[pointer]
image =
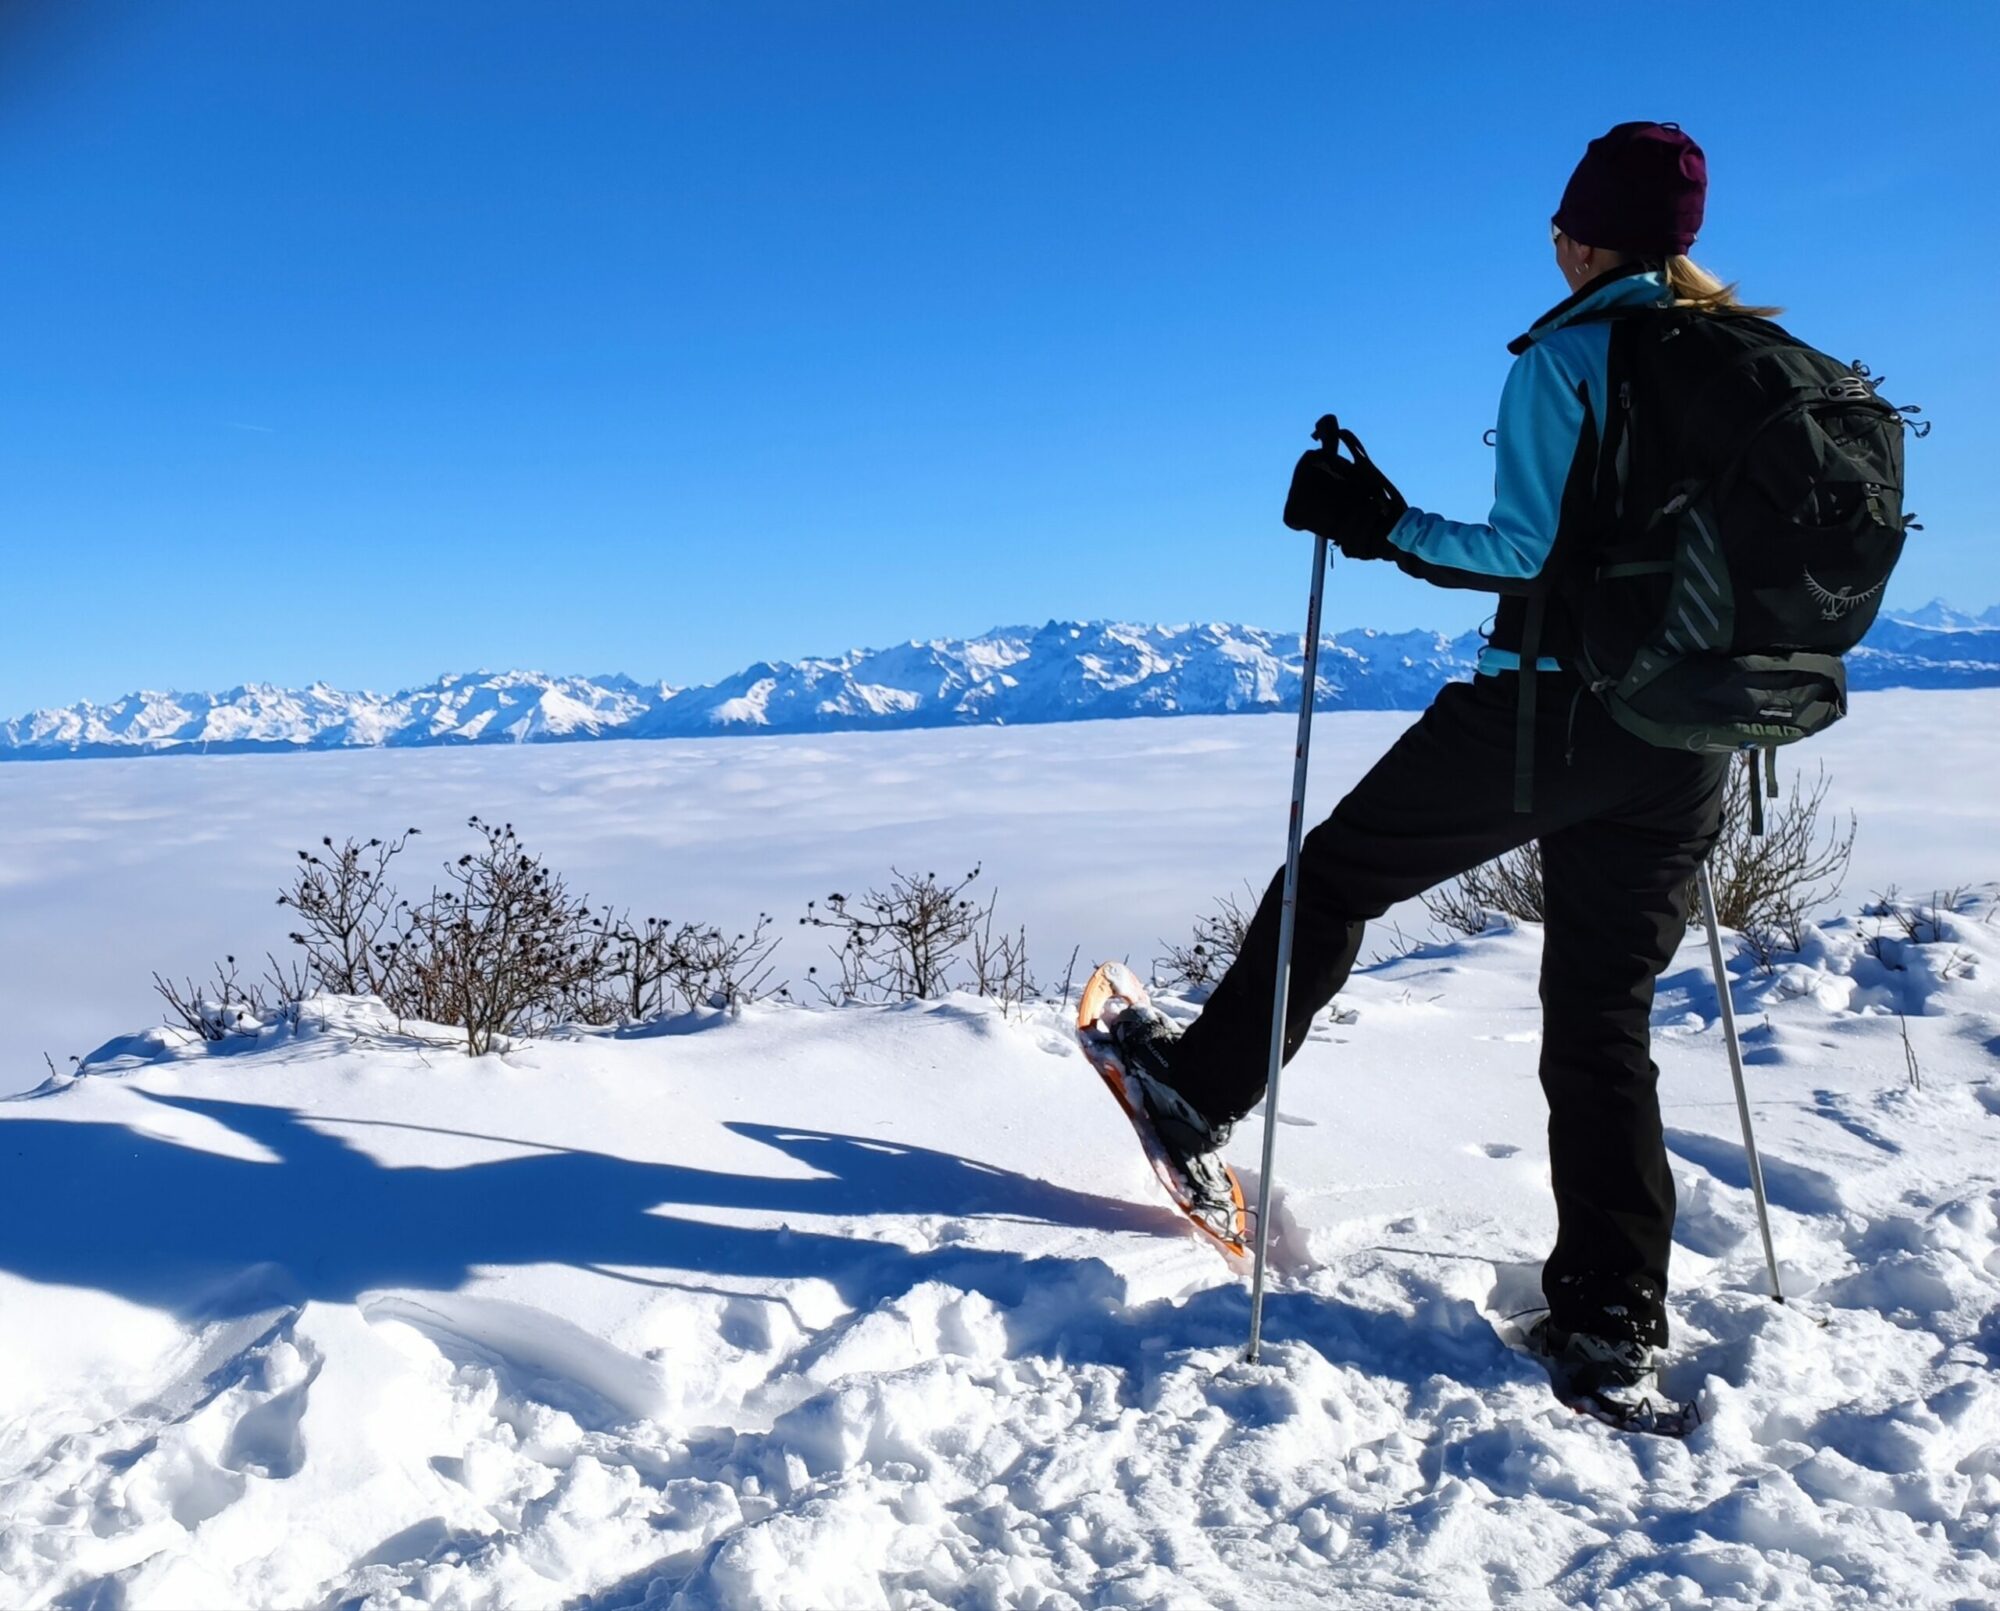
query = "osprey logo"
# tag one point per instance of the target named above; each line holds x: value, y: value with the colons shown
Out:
x: 1850, y: 389
x: 1833, y: 605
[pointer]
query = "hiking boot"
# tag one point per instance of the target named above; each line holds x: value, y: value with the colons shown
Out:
x: 1622, y: 1377
x: 1190, y: 1141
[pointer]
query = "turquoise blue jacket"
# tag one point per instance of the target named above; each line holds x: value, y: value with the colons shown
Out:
x: 1552, y: 415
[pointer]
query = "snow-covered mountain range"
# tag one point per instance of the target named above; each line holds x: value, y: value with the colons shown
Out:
x: 1064, y: 671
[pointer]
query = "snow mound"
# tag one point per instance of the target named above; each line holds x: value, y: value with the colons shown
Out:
x: 881, y: 1307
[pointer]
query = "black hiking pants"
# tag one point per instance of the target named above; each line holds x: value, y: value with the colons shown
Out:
x: 1623, y: 826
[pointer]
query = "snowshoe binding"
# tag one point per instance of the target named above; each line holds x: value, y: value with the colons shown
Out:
x: 1617, y: 1383
x: 1128, y: 1041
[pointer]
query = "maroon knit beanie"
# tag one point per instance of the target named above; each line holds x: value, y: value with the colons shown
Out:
x: 1638, y: 190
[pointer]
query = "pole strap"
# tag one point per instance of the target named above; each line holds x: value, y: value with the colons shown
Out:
x: 1530, y: 654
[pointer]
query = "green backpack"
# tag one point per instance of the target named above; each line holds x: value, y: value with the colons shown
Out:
x: 1751, y: 490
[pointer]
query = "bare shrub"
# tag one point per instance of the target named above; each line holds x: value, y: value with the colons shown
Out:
x: 1767, y: 886
x: 288, y: 985
x: 345, y: 907
x: 906, y: 942
x: 1507, y: 886
x: 501, y: 949
x: 1920, y: 922
x: 1923, y: 922
x: 1216, y: 942
x: 1069, y: 975
x: 714, y: 969
x: 227, y: 1005
x: 656, y: 966
x: 1000, y: 965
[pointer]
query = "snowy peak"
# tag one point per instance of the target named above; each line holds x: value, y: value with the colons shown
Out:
x: 460, y: 707
x: 1942, y: 617
x: 1059, y: 671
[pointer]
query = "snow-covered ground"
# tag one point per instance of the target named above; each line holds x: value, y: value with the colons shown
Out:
x: 881, y: 1306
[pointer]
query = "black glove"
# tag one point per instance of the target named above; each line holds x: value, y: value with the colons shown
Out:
x: 1346, y: 500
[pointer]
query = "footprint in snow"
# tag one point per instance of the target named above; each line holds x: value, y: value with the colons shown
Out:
x: 1834, y: 1107
x: 1789, y: 1185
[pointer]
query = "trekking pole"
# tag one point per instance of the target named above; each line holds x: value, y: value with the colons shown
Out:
x: 1328, y: 433
x: 1736, y: 1072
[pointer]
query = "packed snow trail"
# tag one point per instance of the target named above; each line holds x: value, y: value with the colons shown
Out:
x: 881, y: 1307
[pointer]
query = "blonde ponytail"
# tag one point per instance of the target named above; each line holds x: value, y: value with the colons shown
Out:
x: 1693, y: 286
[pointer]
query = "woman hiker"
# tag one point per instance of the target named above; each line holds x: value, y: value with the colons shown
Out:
x: 1622, y: 824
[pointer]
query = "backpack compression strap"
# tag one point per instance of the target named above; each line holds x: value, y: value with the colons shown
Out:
x: 1530, y: 655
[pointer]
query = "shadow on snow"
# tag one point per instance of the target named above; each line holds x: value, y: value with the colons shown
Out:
x: 206, y: 1236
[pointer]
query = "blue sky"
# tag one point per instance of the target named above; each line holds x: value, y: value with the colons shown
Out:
x: 366, y: 341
